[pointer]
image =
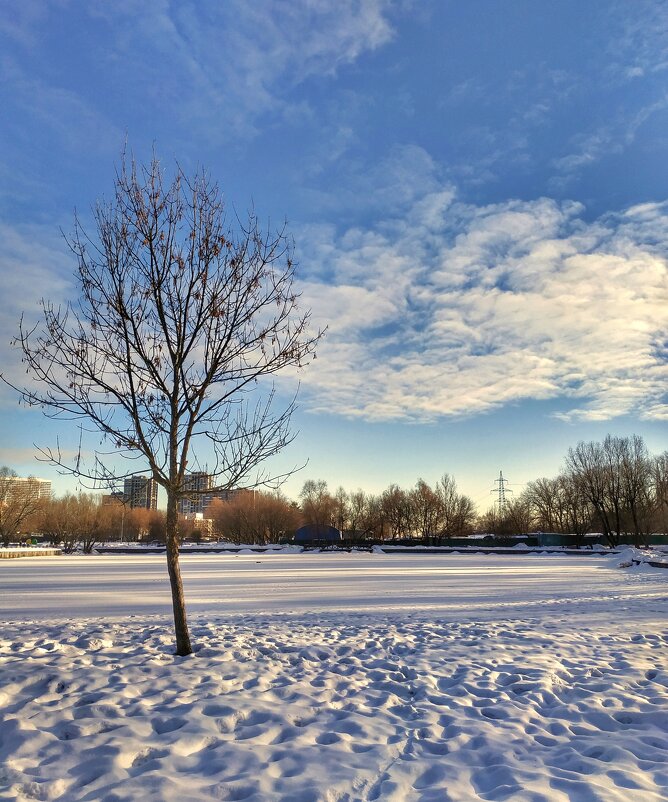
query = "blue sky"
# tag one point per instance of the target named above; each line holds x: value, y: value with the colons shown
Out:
x: 477, y: 191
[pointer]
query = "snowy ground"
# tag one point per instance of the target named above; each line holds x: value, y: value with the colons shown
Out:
x: 347, y: 677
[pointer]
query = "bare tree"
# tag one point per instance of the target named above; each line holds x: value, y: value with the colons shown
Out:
x: 357, y: 511
x: 55, y: 521
x: 619, y: 479
x: 426, y: 510
x: 517, y: 516
x: 318, y: 504
x: 18, y: 503
x: 181, y: 315
x: 660, y: 490
x: 75, y: 520
x: 278, y: 516
x: 577, y: 509
x: 234, y: 519
x: 341, y: 513
x: 545, y: 500
x: 254, y: 517
x: 587, y: 466
x: 396, y: 511
x: 636, y: 481
x: 92, y: 522
x: 513, y: 518
x: 136, y: 524
x: 375, y: 520
x: 612, y: 454
x: 488, y: 522
x: 458, y: 510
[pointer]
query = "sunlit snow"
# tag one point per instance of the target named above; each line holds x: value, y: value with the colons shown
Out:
x: 335, y: 677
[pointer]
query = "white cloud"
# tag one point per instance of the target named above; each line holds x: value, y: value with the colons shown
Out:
x: 33, y: 262
x: 641, y: 46
x: 19, y: 20
x: 73, y: 121
x: 454, y: 309
x: 590, y: 148
x: 234, y: 61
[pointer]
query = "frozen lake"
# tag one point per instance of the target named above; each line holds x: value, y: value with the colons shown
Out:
x: 459, y: 587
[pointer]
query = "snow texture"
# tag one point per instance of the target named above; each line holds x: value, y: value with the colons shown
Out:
x: 354, y: 677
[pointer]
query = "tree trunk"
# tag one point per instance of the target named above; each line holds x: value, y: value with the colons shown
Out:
x: 183, y: 646
x: 637, y: 534
x: 607, y: 529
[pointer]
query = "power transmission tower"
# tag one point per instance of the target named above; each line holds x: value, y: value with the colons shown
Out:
x: 501, y: 491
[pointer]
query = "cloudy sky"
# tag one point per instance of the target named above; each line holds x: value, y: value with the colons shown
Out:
x: 477, y: 191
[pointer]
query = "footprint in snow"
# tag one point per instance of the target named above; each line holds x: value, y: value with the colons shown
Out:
x: 147, y: 755
x: 163, y: 726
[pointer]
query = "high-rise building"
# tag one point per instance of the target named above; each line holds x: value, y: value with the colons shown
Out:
x: 141, y: 491
x: 201, y: 484
x: 196, y: 484
x: 32, y: 488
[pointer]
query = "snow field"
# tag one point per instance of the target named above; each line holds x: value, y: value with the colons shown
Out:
x: 338, y: 706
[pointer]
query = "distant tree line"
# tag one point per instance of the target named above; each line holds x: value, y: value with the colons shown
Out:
x: 615, y: 487
x: 257, y: 517
x: 424, y: 512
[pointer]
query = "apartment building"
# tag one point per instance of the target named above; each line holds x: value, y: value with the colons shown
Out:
x: 201, y: 485
x: 141, y: 491
x: 30, y: 487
